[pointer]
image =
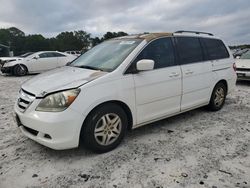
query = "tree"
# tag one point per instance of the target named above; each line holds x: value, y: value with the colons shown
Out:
x: 5, y: 36
x: 12, y: 37
x: 34, y: 43
x: 16, y: 32
x: 65, y: 41
x: 77, y: 40
x: 84, y: 38
x: 95, y: 41
x: 110, y: 35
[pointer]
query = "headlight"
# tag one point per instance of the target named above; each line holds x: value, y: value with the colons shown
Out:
x: 58, y: 102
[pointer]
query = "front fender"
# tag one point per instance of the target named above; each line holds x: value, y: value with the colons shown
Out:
x: 13, y: 63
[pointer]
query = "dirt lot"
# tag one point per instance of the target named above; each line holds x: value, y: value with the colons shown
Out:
x: 195, y: 149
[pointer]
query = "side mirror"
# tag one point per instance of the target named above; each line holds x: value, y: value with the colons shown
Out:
x: 36, y: 57
x: 145, y: 65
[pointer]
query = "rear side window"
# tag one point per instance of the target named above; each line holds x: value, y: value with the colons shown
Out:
x: 215, y: 49
x: 189, y: 50
x: 58, y: 54
x: 161, y: 51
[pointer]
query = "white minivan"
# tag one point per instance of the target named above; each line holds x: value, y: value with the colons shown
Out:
x: 124, y: 83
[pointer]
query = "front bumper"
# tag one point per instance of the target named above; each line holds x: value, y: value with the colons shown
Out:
x: 6, y: 70
x: 56, y: 130
x: 243, y: 75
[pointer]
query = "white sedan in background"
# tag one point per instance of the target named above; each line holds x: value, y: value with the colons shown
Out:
x: 4, y: 60
x: 243, y: 66
x: 37, y: 62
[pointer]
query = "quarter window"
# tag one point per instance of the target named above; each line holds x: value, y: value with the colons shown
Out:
x: 189, y: 50
x: 215, y: 49
x: 161, y: 51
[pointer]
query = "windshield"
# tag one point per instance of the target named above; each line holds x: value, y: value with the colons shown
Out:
x: 26, y: 54
x: 106, y: 56
x: 245, y: 55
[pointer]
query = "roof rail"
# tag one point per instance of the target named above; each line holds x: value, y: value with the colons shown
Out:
x: 196, y: 32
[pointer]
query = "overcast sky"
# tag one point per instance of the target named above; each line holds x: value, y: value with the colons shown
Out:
x: 229, y: 19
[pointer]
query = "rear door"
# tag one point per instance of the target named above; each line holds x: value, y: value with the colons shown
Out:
x: 158, y: 92
x: 62, y: 59
x: 217, y: 53
x: 196, y: 72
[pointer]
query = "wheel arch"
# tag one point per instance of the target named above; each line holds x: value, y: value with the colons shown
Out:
x: 20, y: 64
x: 24, y: 66
x: 123, y: 105
x: 223, y: 81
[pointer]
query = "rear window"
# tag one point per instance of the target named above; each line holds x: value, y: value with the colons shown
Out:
x: 215, y: 49
x: 58, y: 54
x: 189, y: 50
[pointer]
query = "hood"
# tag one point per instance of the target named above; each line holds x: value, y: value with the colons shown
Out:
x: 60, y: 79
x: 10, y: 58
x: 10, y: 61
x: 242, y: 63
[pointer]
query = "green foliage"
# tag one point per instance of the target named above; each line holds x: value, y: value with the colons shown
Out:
x: 240, y: 46
x: 110, y: 35
x: 95, y: 41
x: 5, y: 36
x: 73, y: 40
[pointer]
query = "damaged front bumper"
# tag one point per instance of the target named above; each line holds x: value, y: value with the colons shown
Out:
x: 7, y: 70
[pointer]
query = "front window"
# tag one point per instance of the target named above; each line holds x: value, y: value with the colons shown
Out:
x: 245, y: 55
x: 46, y: 55
x: 107, y: 56
x: 161, y: 51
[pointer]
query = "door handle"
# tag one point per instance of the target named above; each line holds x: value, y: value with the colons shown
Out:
x: 189, y: 72
x: 174, y: 74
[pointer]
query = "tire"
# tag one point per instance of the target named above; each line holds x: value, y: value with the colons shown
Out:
x: 20, y: 70
x: 104, y: 128
x: 218, y: 97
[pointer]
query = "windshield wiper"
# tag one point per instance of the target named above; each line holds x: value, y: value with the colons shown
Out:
x: 89, y: 67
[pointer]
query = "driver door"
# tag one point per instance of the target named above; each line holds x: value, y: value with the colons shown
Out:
x: 158, y: 91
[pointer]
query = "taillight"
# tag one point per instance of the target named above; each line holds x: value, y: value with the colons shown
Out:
x: 234, y: 67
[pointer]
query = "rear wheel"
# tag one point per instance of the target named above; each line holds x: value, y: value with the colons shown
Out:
x: 20, y: 70
x: 104, y: 128
x: 218, y: 97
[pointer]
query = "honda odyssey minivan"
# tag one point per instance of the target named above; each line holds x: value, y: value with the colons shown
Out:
x: 122, y: 84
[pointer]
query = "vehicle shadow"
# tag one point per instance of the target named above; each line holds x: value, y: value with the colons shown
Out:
x: 11, y: 75
x: 168, y: 125
x: 243, y: 82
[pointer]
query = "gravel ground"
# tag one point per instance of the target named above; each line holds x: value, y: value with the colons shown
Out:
x: 194, y: 149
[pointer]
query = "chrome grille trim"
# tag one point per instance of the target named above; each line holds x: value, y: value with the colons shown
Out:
x: 25, y: 99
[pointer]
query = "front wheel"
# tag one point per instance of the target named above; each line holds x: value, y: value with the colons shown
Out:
x: 218, y: 97
x: 20, y: 70
x: 104, y: 128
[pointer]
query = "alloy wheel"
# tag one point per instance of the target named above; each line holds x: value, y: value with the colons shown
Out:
x: 108, y: 129
x: 219, y: 96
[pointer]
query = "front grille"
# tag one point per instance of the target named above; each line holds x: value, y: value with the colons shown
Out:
x: 243, y: 69
x: 25, y: 99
